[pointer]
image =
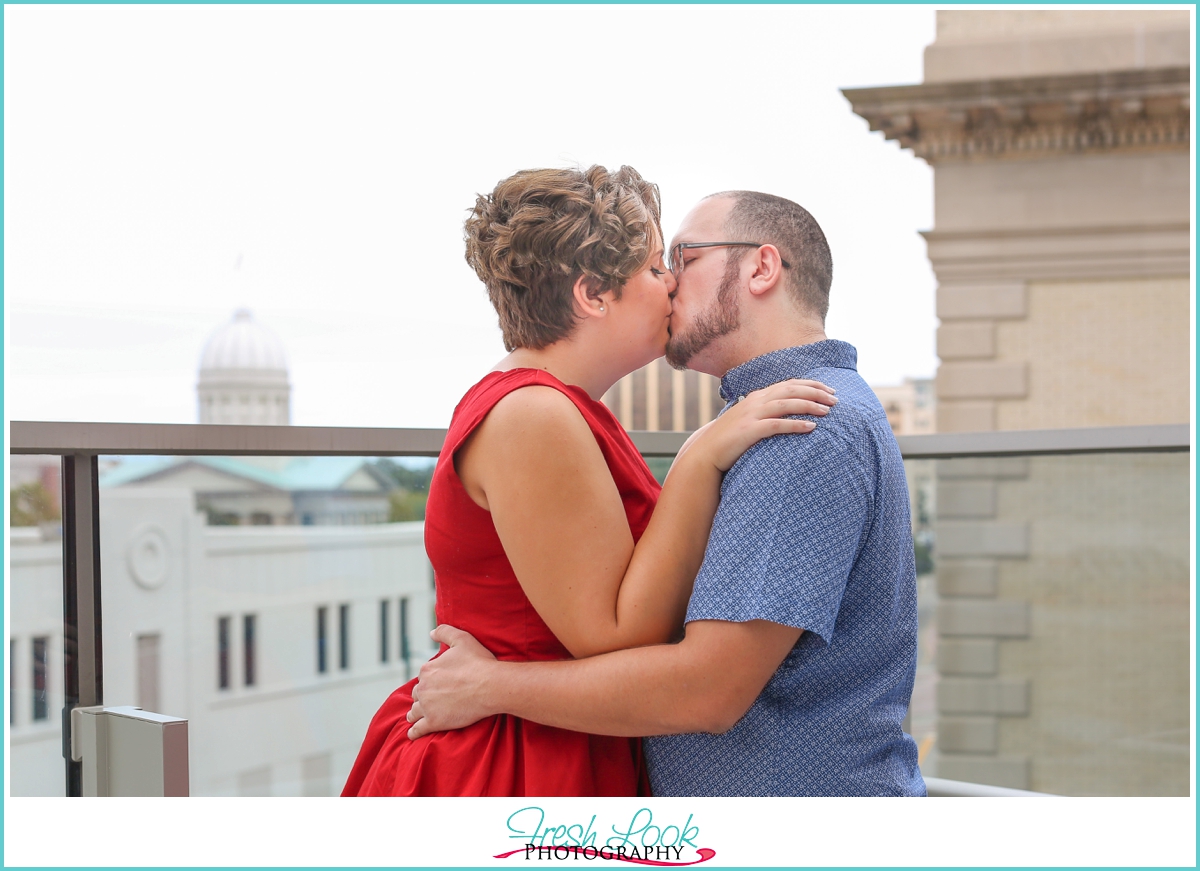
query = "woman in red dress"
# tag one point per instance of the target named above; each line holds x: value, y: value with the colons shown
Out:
x: 548, y: 535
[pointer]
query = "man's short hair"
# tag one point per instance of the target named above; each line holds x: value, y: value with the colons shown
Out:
x: 765, y: 218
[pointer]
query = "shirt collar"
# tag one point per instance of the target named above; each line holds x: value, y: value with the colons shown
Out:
x: 787, y: 363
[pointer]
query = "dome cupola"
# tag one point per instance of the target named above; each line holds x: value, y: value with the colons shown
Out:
x: 243, y: 375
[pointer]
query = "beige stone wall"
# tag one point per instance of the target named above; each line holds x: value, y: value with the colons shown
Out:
x: 1060, y: 141
x: 1099, y: 353
x: 1071, y: 191
x: 1060, y: 279
x: 1106, y: 580
x: 1063, y: 623
x: 984, y: 44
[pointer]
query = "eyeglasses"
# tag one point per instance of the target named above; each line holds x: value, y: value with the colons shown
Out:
x: 675, y: 263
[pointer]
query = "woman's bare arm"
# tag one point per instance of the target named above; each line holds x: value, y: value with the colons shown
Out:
x: 535, y: 465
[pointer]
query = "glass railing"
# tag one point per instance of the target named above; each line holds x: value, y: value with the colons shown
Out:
x: 270, y: 585
x: 35, y: 640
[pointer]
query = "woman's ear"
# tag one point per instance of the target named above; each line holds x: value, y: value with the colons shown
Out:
x: 587, y: 301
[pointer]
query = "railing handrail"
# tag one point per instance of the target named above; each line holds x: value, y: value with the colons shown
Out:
x: 192, y: 439
x: 938, y: 787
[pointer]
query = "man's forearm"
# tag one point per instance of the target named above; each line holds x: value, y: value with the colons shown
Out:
x: 660, y: 690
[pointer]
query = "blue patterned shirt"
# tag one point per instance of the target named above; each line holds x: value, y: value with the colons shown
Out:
x: 812, y: 531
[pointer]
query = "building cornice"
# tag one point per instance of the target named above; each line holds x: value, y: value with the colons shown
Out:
x: 1070, y: 254
x: 1130, y: 110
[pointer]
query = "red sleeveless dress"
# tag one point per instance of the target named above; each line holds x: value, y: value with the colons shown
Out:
x: 478, y: 591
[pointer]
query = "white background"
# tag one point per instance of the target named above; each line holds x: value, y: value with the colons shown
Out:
x: 334, y: 151
x: 1080, y: 832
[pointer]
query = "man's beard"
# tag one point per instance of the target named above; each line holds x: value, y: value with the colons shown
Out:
x: 720, y: 319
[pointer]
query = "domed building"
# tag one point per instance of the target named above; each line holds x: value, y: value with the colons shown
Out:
x: 244, y: 380
x: 243, y: 375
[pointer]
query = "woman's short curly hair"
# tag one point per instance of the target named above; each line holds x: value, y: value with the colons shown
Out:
x: 540, y: 230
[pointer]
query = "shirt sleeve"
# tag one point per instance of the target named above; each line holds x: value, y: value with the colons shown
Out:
x: 793, y: 512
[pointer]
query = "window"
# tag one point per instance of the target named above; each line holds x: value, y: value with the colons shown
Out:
x: 249, y: 664
x: 223, y: 652
x: 41, y: 647
x: 322, y: 613
x: 343, y: 636
x: 404, y: 654
x: 147, y: 673
x: 383, y: 630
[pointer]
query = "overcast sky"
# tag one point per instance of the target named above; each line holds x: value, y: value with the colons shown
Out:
x: 333, y: 153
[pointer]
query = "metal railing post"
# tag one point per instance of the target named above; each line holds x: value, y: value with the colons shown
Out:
x: 83, y: 672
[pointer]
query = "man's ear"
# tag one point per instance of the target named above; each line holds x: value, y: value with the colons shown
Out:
x: 768, y: 270
x: 587, y: 302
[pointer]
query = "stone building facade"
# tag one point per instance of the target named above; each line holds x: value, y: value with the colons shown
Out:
x: 1060, y: 147
x: 1060, y: 142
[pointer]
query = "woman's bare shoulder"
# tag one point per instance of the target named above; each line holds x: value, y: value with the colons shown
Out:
x: 537, y: 412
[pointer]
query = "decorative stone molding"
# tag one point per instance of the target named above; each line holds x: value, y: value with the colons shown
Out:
x: 983, y: 539
x: 148, y: 556
x: 983, y: 696
x: 988, y: 618
x: 981, y: 300
x: 982, y: 380
x: 955, y: 416
x: 1130, y: 110
x: 965, y: 341
x: 961, y: 499
x: 968, y: 734
x: 968, y: 656
x: 966, y: 260
x: 968, y: 578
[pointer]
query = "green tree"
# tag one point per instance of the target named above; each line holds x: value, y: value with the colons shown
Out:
x: 406, y: 505
x: 31, y: 504
x: 405, y: 477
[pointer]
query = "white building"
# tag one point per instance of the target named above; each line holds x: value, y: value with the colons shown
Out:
x: 277, y: 635
x: 276, y: 643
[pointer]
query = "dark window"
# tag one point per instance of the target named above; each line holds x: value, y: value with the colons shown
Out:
x: 383, y: 630
x: 147, y: 673
x: 223, y: 653
x: 322, y: 613
x: 249, y: 663
x: 12, y: 681
x: 343, y: 636
x: 41, y: 709
x: 404, y: 629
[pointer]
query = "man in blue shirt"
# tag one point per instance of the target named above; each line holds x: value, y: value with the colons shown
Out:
x: 797, y: 665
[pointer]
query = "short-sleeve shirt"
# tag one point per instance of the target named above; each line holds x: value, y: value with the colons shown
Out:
x: 813, y: 532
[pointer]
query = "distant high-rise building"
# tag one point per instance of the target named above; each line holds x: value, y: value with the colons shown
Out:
x: 659, y: 398
x: 911, y: 406
x: 244, y: 375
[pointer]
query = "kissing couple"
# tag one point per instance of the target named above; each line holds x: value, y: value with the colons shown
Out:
x: 749, y: 628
